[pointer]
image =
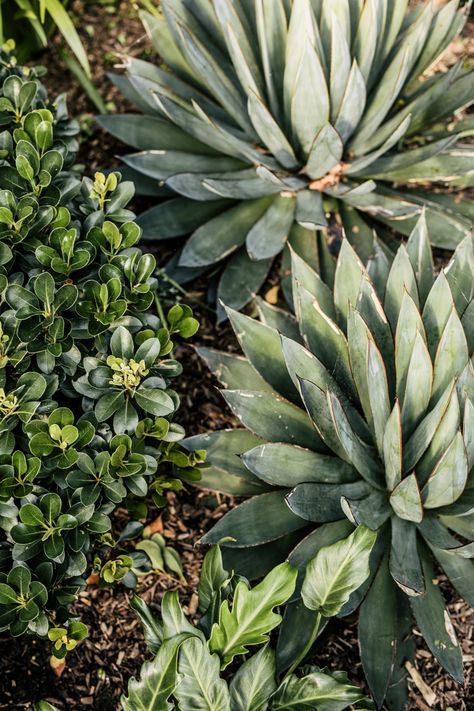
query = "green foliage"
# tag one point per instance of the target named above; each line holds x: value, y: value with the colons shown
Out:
x: 186, y: 671
x: 86, y: 406
x: 360, y: 411
x: 267, y: 118
x: 28, y: 24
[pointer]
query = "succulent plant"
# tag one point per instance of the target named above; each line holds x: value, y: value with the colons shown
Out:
x: 267, y: 117
x: 76, y: 293
x: 186, y: 671
x: 360, y: 409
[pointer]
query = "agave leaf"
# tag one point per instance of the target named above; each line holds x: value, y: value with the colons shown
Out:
x: 340, y: 54
x: 406, y: 500
x: 446, y: 429
x: 286, y: 465
x: 304, y: 276
x: 435, y: 625
x: 238, y: 39
x: 272, y: 418
x: 405, y: 565
x: 161, y: 164
x: 401, y: 281
x: 420, y: 108
x: 360, y: 235
x: 208, y: 130
x: 256, y: 521
x: 325, y: 153
x: 201, y: 686
x: 268, y: 235
x: 216, y: 239
x: 394, y: 168
x: 262, y: 347
x: 316, y: 404
x: 324, y: 338
x: 418, y: 385
x: 322, y: 502
x: 361, y: 455
x: 349, y: 274
x: 437, y: 310
x: 378, y: 392
x: 381, y: 632
x: 310, y: 99
x: 174, y: 218
x: 240, y: 281
x: 278, y: 319
x: 459, y: 275
x: 372, y: 511
x: 157, y: 682
x: 460, y: 572
x: 443, y: 28
x: 270, y: 132
x: 353, y: 103
x: 452, y: 355
x: 214, y: 76
x: 251, y: 617
x: 272, y: 33
x: 164, y: 43
x: 231, y: 370
x: 259, y: 560
x: 336, y: 571
x: 359, y: 338
x: 365, y: 40
x: 468, y: 432
x: 141, y: 132
x: 295, y: 633
x: 310, y: 210
x: 449, y: 477
x: 254, y: 682
x: 243, y: 187
x: 359, y: 166
x: 394, y: 77
x: 392, y: 448
x: 302, y: 31
x: 421, y: 258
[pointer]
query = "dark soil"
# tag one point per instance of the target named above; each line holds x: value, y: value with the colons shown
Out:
x: 98, y: 671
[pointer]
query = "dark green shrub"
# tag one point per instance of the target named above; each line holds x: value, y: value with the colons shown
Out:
x: 86, y: 403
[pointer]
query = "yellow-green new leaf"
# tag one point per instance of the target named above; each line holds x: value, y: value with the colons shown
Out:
x: 250, y: 618
x: 337, y: 571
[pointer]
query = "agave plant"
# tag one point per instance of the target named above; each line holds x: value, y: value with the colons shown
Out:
x: 359, y: 410
x: 271, y: 115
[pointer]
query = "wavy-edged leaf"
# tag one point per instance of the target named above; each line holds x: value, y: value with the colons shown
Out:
x: 158, y: 679
x: 251, y: 617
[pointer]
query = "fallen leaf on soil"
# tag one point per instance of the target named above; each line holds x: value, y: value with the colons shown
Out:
x: 57, y: 665
x: 427, y: 693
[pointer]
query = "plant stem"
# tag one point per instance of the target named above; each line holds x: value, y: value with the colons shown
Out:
x: 161, y: 313
x: 308, y: 646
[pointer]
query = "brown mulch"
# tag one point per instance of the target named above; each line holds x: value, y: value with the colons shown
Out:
x: 98, y: 671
